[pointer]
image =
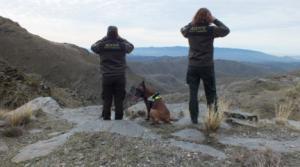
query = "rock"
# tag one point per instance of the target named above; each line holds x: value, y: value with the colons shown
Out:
x: 46, y: 104
x: 183, y: 122
x: 262, y: 143
x: 204, y: 149
x: 34, y: 131
x: 86, y: 120
x: 136, y: 111
x: 190, y: 135
x: 81, y: 115
x: 41, y: 148
x: 55, y: 134
x: 225, y: 126
x: 125, y: 128
x: 3, y: 123
x: 3, y: 147
x: 178, y: 111
x: 241, y: 122
x: 131, y: 129
x: 294, y: 124
x: 263, y: 122
x: 237, y: 114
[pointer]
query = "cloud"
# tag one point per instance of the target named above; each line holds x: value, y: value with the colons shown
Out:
x: 271, y: 25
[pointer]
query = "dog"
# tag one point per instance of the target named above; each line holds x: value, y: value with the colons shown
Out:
x: 157, y: 110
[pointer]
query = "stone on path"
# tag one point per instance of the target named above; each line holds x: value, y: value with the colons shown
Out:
x: 204, y: 149
x: 192, y: 135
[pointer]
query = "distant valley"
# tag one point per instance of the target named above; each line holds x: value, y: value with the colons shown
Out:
x: 71, y: 67
x: 168, y: 73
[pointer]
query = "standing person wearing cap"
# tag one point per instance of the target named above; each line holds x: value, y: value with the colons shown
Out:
x: 201, y: 34
x: 112, y: 50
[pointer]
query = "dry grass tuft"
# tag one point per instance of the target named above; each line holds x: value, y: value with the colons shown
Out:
x: 17, y: 118
x: 2, y: 113
x: 283, y: 111
x: 266, y: 158
x: 213, y: 120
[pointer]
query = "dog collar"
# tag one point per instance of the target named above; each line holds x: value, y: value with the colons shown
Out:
x: 155, y: 97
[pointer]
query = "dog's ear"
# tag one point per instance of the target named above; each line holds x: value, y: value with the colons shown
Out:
x: 143, y: 83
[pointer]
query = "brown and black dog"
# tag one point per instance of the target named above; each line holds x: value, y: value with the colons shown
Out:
x: 156, y: 108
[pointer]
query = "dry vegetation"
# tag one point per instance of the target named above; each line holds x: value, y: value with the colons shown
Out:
x: 17, y: 118
x: 261, y: 158
x: 283, y: 110
x: 2, y: 113
x: 294, y: 92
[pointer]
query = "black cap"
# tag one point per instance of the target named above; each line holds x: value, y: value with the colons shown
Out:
x: 112, y: 32
x: 112, y: 29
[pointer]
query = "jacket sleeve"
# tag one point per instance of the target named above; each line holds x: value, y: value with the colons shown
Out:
x: 184, y: 30
x: 220, y: 30
x: 128, y: 46
x: 96, y: 47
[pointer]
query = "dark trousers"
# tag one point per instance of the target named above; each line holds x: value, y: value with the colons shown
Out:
x: 207, y: 75
x: 113, y: 88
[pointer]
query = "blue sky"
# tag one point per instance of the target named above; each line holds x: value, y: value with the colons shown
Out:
x: 271, y: 26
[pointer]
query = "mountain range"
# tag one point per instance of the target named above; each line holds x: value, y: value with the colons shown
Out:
x: 241, y: 55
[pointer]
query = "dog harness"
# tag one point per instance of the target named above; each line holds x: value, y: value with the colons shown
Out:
x: 153, y: 98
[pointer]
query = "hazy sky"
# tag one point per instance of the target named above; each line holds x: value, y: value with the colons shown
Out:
x: 267, y: 25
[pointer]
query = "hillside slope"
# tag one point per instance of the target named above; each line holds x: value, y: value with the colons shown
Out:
x: 262, y: 94
x: 64, y: 65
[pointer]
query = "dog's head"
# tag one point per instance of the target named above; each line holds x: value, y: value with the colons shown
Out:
x: 139, y: 91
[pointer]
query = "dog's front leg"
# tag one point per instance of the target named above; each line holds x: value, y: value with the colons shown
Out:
x: 148, y: 109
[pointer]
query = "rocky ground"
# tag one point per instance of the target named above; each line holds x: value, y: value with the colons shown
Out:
x: 77, y: 137
x: 17, y: 88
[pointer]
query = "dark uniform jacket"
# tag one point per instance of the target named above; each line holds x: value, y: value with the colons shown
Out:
x: 112, y: 55
x: 201, y: 39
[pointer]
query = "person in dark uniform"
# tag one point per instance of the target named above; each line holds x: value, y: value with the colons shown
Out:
x: 201, y: 33
x: 112, y: 50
